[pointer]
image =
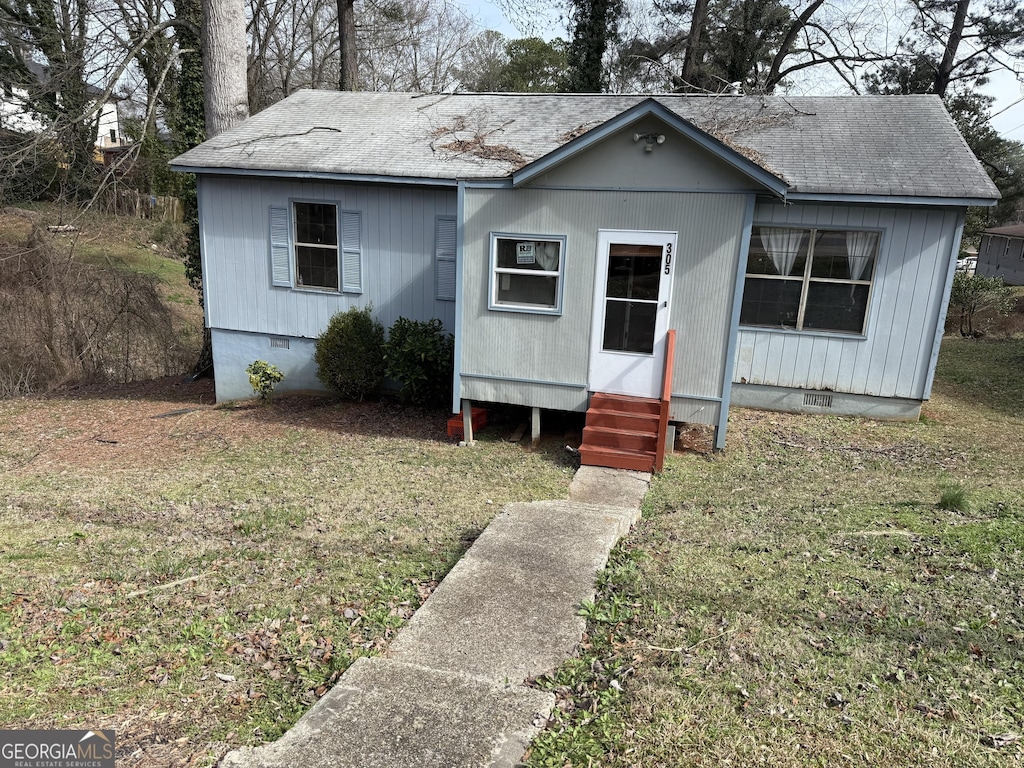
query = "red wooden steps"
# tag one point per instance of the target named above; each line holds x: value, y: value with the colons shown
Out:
x: 621, y: 432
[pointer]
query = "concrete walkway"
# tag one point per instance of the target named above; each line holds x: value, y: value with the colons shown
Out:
x: 450, y: 691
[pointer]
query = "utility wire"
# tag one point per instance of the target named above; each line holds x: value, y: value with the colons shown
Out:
x: 1018, y: 101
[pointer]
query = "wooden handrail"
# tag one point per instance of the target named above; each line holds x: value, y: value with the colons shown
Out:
x: 666, y: 399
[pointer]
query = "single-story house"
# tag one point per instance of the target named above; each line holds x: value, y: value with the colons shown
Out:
x: 1001, y: 253
x: 801, y: 249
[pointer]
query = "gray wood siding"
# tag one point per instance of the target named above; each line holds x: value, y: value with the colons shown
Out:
x: 1000, y: 256
x: 532, y: 347
x: 893, y: 358
x: 618, y: 162
x: 398, y: 225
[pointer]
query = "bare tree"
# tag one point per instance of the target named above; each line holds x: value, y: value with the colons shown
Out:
x: 416, y: 46
x: 44, y: 50
x: 967, y: 40
x: 292, y: 45
x: 712, y: 45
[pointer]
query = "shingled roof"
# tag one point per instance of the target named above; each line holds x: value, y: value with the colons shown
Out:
x: 906, y: 146
x: 1010, y: 230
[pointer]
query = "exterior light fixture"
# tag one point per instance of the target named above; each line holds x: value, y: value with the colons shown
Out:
x: 649, y: 139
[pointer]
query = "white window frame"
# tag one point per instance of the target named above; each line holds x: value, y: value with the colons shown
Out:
x: 496, y: 272
x: 806, y: 279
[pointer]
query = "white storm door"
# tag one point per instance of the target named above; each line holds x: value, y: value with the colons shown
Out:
x: 631, y: 308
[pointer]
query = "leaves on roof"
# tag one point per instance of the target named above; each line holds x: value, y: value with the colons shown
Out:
x: 727, y: 125
x: 469, y: 135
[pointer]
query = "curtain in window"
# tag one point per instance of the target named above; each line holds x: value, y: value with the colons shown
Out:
x: 860, y: 248
x: 782, y: 247
x: 547, y: 256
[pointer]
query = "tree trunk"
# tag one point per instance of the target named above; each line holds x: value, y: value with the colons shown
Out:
x: 956, y: 33
x: 225, y: 104
x: 801, y: 21
x: 693, y: 50
x: 348, y: 78
x: 225, y: 75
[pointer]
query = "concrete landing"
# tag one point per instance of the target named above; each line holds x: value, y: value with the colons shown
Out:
x: 451, y: 689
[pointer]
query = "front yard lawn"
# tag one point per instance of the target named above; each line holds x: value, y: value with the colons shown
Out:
x: 806, y: 599
x: 829, y: 591
x: 195, y: 577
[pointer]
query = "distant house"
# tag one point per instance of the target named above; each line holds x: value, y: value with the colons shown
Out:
x: 1001, y: 253
x: 802, y: 249
x: 17, y: 115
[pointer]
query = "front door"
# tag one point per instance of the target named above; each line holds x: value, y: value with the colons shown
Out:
x: 631, y: 309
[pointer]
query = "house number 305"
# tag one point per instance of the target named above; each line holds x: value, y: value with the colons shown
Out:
x: 668, y: 258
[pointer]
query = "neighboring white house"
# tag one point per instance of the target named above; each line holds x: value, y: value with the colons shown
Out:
x: 17, y: 116
x: 801, y: 248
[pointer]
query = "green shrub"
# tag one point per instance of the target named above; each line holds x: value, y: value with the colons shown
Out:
x: 972, y: 294
x: 263, y: 377
x: 421, y: 357
x: 350, y: 354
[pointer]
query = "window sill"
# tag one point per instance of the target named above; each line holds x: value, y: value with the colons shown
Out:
x: 793, y: 332
x: 556, y: 311
x: 319, y: 291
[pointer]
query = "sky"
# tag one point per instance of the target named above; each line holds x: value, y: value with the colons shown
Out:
x: 1008, y: 89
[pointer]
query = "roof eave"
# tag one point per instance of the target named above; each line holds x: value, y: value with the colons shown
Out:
x: 317, y: 175
x: 884, y: 199
x: 647, y: 107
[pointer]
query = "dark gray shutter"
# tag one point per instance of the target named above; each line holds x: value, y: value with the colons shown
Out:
x: 444, y: 258
x: 351, y: 252
x: 280, y: 249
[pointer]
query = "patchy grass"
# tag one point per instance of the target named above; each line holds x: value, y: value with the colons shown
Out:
x: 195, y: 577
x: 138, y: 245
x: 805, y: 599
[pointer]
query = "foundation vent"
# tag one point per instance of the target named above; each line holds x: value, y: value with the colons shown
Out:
x: 279, y: 343
x: 818, y: 400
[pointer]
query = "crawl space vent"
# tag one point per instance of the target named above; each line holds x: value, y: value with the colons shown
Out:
x: 818, y: 401
x: 279, y: 343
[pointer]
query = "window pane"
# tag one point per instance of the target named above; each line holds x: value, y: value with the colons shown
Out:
x: 844, y: 255
x: 836, y: 307
x: 629, y: 326
x: 316, y: 223
x: 536, y: 290
x: 634, y: 271
x: 317, y: 267
x: 542, y: 255
x: 770, y: 302
x: 777, y: 251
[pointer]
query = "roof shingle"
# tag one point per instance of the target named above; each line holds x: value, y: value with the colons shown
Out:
x: 848, y: 145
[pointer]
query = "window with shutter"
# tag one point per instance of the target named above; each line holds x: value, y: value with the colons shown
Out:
x: 312, y: 247
x: 444, y: 257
